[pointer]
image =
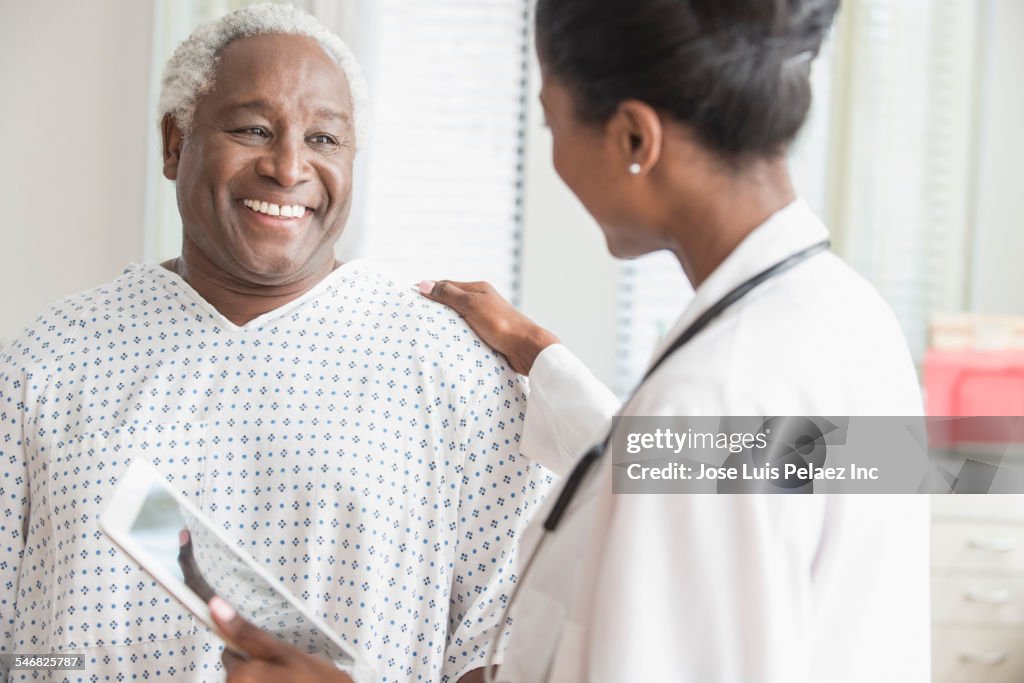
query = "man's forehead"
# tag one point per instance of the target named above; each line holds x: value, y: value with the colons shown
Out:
x: 265, y: 106
x: 284, y: 51
x: 248, y: 66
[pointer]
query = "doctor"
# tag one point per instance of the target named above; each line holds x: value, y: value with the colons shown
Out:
x: 670, y: 122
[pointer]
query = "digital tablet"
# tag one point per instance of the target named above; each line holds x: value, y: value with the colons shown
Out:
x: 171, y: 539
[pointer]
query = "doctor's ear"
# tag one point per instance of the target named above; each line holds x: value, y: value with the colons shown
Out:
x: 637, y: 132
x: 173, y: 139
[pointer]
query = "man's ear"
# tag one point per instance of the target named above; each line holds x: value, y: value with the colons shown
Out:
x: 638, y: 135
x: 172, y: 139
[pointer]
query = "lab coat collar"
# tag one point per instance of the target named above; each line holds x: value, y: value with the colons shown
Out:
x: 787, y: 231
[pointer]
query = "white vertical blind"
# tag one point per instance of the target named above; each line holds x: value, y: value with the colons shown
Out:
x: 908, y: 146
x: 653, y: 292
x: 810, y: 154
x: 442, y: 192
x: 885, y: 158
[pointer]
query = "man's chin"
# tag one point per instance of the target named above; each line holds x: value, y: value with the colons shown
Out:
x: 277, y: 271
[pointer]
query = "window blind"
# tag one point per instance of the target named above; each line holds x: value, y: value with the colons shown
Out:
x: 905, y: 190
x: 442, y: 191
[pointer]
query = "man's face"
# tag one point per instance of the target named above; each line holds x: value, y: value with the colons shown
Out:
x: 274, y: 133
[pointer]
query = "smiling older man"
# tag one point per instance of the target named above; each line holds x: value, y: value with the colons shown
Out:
x: 358, y: 440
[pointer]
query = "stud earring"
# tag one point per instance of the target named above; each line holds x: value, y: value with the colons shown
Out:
x: 634, y: 168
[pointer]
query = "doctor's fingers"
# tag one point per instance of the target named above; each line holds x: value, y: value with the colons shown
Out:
x: 494, y: 319
x: 480, y: 305
x: 479, y: 287
x: 468, y: 299
x: 456, y: 295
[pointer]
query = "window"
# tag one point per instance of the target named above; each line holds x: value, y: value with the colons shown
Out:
x: 442, y: 188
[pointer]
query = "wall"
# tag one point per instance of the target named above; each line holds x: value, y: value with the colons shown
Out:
x: 74, y: 120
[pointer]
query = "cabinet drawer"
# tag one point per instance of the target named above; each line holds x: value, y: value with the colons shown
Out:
x: 993, y: 548
x: 991, y: 508
x: 975, y: 655
x: 964, y: 600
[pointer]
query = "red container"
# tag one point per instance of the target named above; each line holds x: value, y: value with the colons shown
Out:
x: 970, y: 383
x: 965, y: 382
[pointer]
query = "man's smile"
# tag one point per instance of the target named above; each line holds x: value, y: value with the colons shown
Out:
x: 282, y: 211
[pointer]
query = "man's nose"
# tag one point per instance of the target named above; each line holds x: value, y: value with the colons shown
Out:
x: 285, y: 161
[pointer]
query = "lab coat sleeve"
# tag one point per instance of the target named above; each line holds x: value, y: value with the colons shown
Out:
x: 569, y: 410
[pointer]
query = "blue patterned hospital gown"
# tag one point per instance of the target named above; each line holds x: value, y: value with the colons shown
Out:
x: 361, y: 442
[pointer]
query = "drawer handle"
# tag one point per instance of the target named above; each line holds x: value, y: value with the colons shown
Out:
x: 991, y: 658
x: 996, y: 545
x: 993, y: 597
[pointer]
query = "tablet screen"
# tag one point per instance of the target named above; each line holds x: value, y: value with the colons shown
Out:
x: 190, y: 552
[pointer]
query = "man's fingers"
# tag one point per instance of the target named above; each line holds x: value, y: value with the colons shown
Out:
x: 256, y: 643
x: 256, y: 671
x: 194, y: 578
x: 448, y: 293
x: 231, y: 659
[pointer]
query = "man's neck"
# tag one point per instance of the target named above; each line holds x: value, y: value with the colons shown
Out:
x: 237, y: 300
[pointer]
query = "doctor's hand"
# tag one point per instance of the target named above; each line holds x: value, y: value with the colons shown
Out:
x: 501, y: 326
x: 270, y: 660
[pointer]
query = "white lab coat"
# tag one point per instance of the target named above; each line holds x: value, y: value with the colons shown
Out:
x: 742, y: 588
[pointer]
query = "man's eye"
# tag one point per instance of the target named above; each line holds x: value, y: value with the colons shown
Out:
x: 255, y: 131
x: 323, y: 139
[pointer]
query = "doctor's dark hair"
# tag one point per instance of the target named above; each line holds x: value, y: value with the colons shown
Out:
x: 737, y: 72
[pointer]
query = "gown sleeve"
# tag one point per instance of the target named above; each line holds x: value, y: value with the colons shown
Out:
x: 569, y: 410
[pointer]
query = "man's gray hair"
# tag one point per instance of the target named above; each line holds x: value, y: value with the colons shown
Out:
x: 192, y: 68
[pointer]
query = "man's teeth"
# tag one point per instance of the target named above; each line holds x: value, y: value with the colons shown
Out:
x: 296, y: 211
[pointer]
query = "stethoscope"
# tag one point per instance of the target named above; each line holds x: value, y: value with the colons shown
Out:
x: 575, y: 479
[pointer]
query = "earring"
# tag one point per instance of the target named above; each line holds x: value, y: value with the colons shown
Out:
x: 634, y: 168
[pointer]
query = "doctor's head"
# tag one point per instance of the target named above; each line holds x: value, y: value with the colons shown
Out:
x: 261, y: 112
x: 647, y: 98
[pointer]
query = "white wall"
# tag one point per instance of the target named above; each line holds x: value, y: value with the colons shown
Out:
x: 998, y: 276
x: 74, y: 119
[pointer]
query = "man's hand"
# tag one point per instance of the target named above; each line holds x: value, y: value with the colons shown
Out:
x: 501, y: 326
x: 269, y: 660
x: 194, y: 578
x: 475, y: 676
